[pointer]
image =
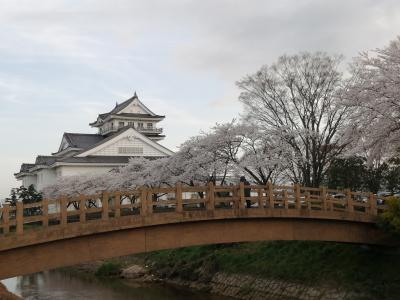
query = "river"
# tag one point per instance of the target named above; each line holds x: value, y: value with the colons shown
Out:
x: 57, y: 285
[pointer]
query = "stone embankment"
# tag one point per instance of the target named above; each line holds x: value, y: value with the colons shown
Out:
x: 6, y: 295
x: 249, y: 287
x: 245, y: 287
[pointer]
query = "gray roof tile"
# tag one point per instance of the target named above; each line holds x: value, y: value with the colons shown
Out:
x: 25, y: 167
x: 45, y: 160
x: 82, y: 140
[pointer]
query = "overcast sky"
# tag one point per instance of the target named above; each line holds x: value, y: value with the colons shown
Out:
x: 63, y: 62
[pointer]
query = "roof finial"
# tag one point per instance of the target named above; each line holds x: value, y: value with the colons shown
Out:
x: 116, y: 103
x: 135, y: 95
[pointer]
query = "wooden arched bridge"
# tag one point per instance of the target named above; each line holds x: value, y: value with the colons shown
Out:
x: 67, y: 231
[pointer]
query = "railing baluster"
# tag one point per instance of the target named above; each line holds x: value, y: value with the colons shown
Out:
x: 104, y: 206
x: 20, y: 217
x: 63, y: 212
x: 260, y: 198
x: 373, y: 205
x: 242, y: 200
x: 6, y: 218
x: 150, y: 201
x: 285, y: 199
x: 271, y: 195
x: 82, y: 209
x: 117, y: 204
x: 350, y: 207
x: 178, y: 197
x: 308, y: 200
x: 143, y: 201
x: 297, y: 195
x: 45, y: 213
x: 323, y: 198
x: 211, y: 196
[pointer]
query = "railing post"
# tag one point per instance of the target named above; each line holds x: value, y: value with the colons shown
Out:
x: 373, y: 205
x: 6, y: 218
x: 323, y: 198
x: 297, y: 195
x: 211, y: 196
x: 117, y: 204
x: 143, y: 201
x: 45, y: 212
x: 271, y: 195
x: 104, y: 206
x: 82, y: 209
x: 260, y: 198
x: 350, y: 207
x: 242, y: 200
x: 308, y: 200
x: 285, y: 199
x: 63, y: 212
x: 20, y: 217
x: 150, y: 201
x: 178, y: 197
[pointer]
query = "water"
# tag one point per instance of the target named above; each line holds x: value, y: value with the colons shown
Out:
x: 56, y: 285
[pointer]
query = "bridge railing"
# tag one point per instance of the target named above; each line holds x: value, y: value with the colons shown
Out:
x: 144, y: 201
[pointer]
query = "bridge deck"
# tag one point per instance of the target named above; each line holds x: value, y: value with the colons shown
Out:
x: 47, y: 220
x: 55, y: 233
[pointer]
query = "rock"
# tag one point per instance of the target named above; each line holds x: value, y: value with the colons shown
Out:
x: 134, y: 272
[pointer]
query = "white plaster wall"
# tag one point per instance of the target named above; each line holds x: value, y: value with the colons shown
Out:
x: 28, y: 180
x: 45, y: 177
x: 82, y: 170
x: 112, y: 150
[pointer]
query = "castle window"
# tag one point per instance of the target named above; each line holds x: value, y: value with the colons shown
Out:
x: 150, y: 125
x: 140, y: 125
x: 121, y: 124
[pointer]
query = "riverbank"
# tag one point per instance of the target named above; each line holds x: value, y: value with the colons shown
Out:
x: 6, y: 295
x: 268, y: 270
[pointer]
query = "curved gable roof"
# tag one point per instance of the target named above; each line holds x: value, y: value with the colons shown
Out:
x: 120, y: 107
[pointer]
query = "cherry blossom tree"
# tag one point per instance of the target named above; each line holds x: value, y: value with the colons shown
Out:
x: 227, y: 150
x: 297, y: 102
x: 75, y: 185
x: 230, y: 149
x: 252, y: 151
x: 375, y: 98
x: 203, y: 158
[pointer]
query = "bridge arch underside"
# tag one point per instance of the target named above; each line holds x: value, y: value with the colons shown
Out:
x: 66, y: 252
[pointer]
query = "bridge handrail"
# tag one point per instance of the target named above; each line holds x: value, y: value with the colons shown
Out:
x: 145, y: 201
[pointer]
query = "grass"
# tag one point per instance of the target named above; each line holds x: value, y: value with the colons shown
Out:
x: 375, y: 271
x: 108, y: 269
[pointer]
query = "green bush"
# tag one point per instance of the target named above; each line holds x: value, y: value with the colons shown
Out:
x: 390, y: 219
x: 108, y: 269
